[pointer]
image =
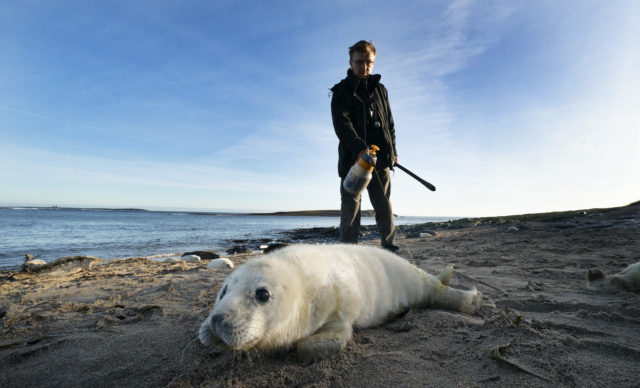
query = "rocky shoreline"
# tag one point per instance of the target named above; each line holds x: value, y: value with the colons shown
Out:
x: 311, y: 213
x: 587, y: 218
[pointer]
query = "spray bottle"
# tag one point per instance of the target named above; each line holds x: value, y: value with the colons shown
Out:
x: 359, y: 175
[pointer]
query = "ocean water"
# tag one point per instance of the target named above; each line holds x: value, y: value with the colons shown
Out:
x: 51, y: 233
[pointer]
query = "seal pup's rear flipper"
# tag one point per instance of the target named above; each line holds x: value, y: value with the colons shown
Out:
x: 445, y: 275
x: 457, y: 300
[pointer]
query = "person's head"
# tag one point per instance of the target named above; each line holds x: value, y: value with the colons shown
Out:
x: 362, y: 57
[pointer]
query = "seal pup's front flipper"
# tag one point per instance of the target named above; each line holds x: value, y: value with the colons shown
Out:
x: 328, y: 340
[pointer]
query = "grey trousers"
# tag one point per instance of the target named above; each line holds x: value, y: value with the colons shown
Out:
x: 379, y: 192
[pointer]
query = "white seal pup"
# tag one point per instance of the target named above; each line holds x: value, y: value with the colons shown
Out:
x: 626, y: 280
x: 63, y: 265
x: 191, y: 258
x: 172, y: 260
x: 220, y: 263
x: 311, y: 297
x: 34, y: 263
x: 31, y: 263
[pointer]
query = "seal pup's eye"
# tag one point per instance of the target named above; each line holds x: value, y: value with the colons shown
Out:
x: 224, y: 292
x: 262, y: 295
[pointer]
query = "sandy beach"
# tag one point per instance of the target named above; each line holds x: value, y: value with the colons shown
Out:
x: 134, y: 322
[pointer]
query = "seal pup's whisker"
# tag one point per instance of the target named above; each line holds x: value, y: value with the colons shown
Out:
x: 184, y: 348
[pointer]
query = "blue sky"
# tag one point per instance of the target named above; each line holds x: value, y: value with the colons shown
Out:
x: 506, y: 106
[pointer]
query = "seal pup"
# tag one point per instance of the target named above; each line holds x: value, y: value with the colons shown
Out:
x: 312, y: 296
x: 222, y: 262
x: 63, y: 265
x: 30, y: 263
x: 191, y: 258
x: 172, y: 260
x: 626, y: 280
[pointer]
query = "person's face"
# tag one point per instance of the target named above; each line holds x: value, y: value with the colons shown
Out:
x: 362, y: 64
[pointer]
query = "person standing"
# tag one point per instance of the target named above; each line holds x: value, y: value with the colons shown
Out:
x: 362, y: 117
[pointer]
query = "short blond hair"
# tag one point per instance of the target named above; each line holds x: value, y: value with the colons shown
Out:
x: 362, y: 46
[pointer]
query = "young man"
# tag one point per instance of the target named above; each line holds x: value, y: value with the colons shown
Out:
x: 361, y: 118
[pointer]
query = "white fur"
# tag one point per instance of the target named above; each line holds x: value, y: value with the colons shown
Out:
x: 172, y: 260
x: 191, y: 258
x: 34, y: 263
x: 626, y: 280
x: 318, y: 293
x: 220, y: 263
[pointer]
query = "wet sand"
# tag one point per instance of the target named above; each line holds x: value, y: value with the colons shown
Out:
x: 134, y: 322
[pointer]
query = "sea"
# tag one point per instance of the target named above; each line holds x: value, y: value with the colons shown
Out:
x: 51, y: 233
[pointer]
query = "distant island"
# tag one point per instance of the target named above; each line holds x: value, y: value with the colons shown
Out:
x: 55, y: 207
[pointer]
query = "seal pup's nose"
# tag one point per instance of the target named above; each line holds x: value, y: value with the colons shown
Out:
x: 220, y: 323
x: 213, y: 329
x: 205, y: 334
x: 217, y: 320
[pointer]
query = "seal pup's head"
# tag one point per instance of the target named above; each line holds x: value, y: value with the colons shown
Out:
x: 258, y: 306
x: 598, y: 280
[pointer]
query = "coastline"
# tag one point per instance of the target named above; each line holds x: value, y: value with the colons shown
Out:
x: 50, y: 234
x: 312, y: 213
x: 295, y: 213
x: 134, y: 322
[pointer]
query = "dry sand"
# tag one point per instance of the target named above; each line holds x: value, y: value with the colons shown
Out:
x: 134, y: 322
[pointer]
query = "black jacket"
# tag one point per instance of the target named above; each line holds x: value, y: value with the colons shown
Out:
x: 362, y: 117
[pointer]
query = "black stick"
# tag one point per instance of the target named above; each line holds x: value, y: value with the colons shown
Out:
x: 414, y: 176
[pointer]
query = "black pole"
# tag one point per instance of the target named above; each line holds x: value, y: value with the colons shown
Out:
x: 414, y: 176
